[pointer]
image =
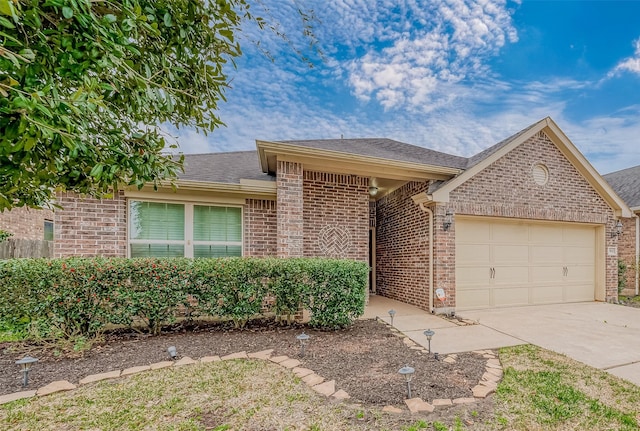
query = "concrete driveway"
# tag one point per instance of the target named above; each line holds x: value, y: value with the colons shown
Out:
x: 602, y: 335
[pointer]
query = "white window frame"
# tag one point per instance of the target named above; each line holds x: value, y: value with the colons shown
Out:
x: 188, y: 241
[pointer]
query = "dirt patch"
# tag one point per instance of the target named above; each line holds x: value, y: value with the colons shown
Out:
x: 629, y: 301
x: 363, y: 360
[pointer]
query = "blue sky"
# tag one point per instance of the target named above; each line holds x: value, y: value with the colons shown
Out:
x: 452, y: 75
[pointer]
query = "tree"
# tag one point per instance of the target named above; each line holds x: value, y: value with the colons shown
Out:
x: 84, y: 85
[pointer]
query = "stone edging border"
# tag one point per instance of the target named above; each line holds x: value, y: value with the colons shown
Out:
x: 313, y: 380
x: 486, y: 386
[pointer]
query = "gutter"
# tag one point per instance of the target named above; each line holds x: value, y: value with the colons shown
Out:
x: 430, y: 212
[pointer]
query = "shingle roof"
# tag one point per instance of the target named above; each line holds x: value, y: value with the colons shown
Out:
x: 477, y: 158
x: 223, y: 167
x: 385, y: 149
x: 626, y: 183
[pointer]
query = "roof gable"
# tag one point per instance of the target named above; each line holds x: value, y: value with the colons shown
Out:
x: 567, y: 148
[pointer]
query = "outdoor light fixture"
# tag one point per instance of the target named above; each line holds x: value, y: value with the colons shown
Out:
x: 616, y: 233
x: 429, y: 333
x: 304, y: 339
x: 392, y: 313
x: 407, y: 372
x: 373, y: 190
x: 448, y: 220
x: 173, y: 353
x: 26, y: 363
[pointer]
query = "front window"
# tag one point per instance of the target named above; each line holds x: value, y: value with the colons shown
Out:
x: 48, y: 230
x: 174, y: 230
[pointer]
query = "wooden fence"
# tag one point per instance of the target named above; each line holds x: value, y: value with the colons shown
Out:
x: 12, y: 248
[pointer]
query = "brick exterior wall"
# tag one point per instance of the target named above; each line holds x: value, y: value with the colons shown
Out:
x: 260, y: 228
x: 289, y: 219
x: 25, y: 223
x: 506, y: 189
x: 90, y: 227
x: 402, y: 247
x: 627, y: 252
x: 336, y: 216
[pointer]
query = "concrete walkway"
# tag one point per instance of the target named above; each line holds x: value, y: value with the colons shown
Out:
x: 601, y: 335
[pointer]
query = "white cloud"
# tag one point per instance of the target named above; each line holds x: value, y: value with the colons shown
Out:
x: 631, y: 64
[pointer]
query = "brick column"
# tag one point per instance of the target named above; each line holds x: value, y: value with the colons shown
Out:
x: 289, y: 205
x: 444, y: 256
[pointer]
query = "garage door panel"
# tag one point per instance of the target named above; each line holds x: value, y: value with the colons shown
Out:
x: 549, y: 294
x: 511, y: 275
x: 512, y: 253
x: 471, y: 277
x: 474, y: 253
x: 579, y: 292
x: 510, y: 297
x: 475, y: 298
x: 543, y: 254
x: 522, y: 263
x: 509, y: 233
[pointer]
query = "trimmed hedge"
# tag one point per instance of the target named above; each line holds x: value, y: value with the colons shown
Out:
x: 80, y: 296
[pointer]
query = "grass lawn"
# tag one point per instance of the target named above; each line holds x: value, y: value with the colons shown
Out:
x: 540, y: 391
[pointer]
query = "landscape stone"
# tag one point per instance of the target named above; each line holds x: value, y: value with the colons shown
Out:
x: 488, y: 384
x: 278, y: 359
x: 53, y: 387
x: 495, y: 371
x: 488, y: 356
x: 290, y: 363
x: 238, y: 355
x: 481, y: 391
x: 417, y: 405
x: 326, y: 388
x: 16, y: 396
x: 449, y: 360
x: 98, y: 377
x: 135, y: 370
x: 464, y: 400
x: 313, y: 379
x: 416, y: 347
x: 208, y: 359
x: 493, y: 363
x: 490, y: 377
x: 408, y: 341
x: 163, y: 364
x: 391, y: 409
x: 441, y: 402
x: 263, y: 354
x: 302, y: 372
x: 341, y: 395
x: 184, y: 361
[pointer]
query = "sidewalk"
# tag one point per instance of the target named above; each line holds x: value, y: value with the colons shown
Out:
x: 449, y: 337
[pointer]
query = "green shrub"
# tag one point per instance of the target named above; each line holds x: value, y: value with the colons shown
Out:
x: 5, y: 235
x: 80, y: 296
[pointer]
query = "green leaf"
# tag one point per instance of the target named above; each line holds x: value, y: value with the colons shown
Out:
x: 67, y: 12
x: 110, y: 18
x: 5, y: 22
x: 167, y: 20
x: 96, y: 172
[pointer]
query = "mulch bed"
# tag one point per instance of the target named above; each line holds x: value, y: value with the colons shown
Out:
x: 363, y: 359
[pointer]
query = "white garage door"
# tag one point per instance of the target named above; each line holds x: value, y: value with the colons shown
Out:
x: 509, y: 262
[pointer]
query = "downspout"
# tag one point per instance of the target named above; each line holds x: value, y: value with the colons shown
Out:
x: 430, y: 212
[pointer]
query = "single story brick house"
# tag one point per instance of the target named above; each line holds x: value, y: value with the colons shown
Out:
x: 626, y: 183
x: 526, y: 221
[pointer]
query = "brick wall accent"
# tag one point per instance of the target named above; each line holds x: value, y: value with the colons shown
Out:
x: 289, y: 201
x: 25, y: 223
x: 336, y: 215
x: 90, y: 227
x: 260, y: 228
x: 402, y: 247
x: 627, y: 252
x: 506, y: 189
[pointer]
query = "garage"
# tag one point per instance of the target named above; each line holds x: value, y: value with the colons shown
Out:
x: 506, y: 262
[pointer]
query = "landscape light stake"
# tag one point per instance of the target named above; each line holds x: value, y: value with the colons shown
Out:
x: 26, y: 363
x: 173, y: 352
x: 429, y: 333
x: 407, y: 372
x: 303, y: 338
x: 392, y: 313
